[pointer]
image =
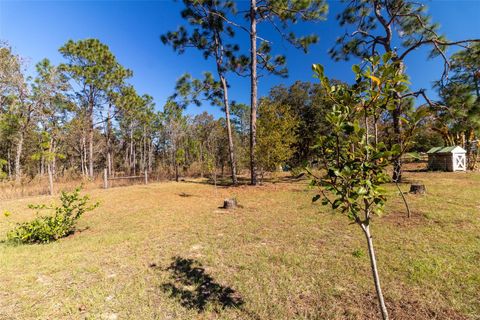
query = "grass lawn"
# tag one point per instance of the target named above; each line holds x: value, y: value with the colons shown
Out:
x: 166, y: 251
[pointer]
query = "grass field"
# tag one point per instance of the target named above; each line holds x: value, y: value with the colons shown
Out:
x: 166, y: 251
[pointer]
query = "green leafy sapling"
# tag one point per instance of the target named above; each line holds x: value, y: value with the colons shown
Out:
x: 44, y: 229
x: 352, y: 160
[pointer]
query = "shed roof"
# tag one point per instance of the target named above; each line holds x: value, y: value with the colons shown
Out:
x: 451, y: 149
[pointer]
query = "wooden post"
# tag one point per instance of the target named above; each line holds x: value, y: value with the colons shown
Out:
x: 105, y: 178
x: 146, y: 176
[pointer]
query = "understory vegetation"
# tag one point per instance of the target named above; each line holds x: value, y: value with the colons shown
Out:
x: 44, y: 229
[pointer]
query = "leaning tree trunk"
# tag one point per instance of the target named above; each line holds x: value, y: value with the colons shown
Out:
x: 253, y: 88
x: 373, y: 264
x: 229, y: 131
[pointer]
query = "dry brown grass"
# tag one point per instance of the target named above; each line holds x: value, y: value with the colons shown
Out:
x: 38, y: 186
x: 138, y: 256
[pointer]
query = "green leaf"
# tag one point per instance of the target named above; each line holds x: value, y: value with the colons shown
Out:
x: 361, y: 191
x: 356, y: 69
x: 318, y: 69
x: 336, y: 203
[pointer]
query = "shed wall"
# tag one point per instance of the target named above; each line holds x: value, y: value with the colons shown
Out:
x: 442, y: 162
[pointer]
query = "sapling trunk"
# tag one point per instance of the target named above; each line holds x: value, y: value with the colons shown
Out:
x: 373, y: 264
x: 409, y: 214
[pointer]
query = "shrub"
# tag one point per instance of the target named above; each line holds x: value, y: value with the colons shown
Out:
x: 44, y: 229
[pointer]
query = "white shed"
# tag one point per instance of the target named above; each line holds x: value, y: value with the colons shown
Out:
x: 447, y: 159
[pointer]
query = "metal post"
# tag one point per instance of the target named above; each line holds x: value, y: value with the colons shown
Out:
x: 105, y: 178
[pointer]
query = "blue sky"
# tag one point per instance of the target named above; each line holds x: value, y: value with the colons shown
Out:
x: 36, y: 29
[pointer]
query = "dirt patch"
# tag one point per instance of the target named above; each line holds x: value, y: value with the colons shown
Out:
x: 413, y: 309
x: 351, y: 305
x: 400, y: 219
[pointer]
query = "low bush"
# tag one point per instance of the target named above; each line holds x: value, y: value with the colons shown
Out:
x: 44, y: 229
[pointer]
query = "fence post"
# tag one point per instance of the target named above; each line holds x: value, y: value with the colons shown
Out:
x: 105, y: 179
x: 146, y: 176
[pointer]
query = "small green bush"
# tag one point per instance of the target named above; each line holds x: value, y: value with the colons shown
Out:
x: 45, y: 229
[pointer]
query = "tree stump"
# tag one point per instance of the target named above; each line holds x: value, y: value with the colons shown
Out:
x: 229, y: 203
x: 417, y: 188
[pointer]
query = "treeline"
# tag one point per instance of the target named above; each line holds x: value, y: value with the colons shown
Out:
x: 83, y: 115
x: 75, y: 120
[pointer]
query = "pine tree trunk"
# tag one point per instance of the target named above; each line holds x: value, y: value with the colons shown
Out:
x: 134, y: 160
x: 90, y: 139
x: 229, y: 131
x: 108, y: 140
x: 109, y: 163
x: 253, y: 94
x: 144, y: 150
x: 150, y: 155
x: 50, y: 178
x: 376, y: 278
x: 126, y: 160
x: 9, y: 164
x: 18, y: 156
x: 41, y: 170
x: 54, y: 162
x: 219, y: 61
x: 397, y: 131
x: 175, y: 163
x: 90, y: 153
x: 201, y: 160
x: 81, y: 158
x: 130, y: 158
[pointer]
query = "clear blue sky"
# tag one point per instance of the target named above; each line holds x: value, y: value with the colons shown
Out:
x: 36, y: 29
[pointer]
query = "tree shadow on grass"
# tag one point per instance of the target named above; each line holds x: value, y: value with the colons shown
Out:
x: 245, y: 181
x: 195, y: 288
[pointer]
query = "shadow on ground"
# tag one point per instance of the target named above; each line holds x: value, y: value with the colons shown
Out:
x: 244, y: 181
x: 196, y: 289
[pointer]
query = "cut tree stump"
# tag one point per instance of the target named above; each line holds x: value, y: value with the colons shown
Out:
x: 229, y: 204
x: 417, y: 188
